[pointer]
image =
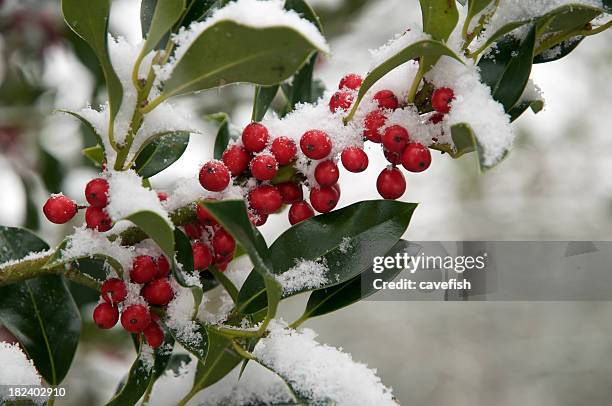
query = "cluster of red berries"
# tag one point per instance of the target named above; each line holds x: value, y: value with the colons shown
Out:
x: 152, y: 274
x: 211, y: 244
x: 60, y: 209
x: 260, y: 157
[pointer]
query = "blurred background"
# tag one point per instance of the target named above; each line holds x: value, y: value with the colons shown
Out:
x: 555, y: 185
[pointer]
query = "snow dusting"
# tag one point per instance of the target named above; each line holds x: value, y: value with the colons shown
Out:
x: 304, y: 275
x: 127, y: 196
x: 16, y: 369
x: 321, y: 373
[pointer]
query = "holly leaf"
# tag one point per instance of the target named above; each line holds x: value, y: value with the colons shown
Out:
x: 157, y: 228
x: 345, y: 241
x: 224, y: 133
x: 439, y: 18
x: 323, y: 301
x: 142, y: 374
x: 412, y: 51
x: 506, y: 71
x: 59, y: 258
x: 263, y: 99
x: 39, y: 312
x: 157, y: 18
x: 220, y: 361
x: 559, y: 51
x: 91, y: 24
x: 161, y: 152
x: 232, y: 215
x: 229, y: 52
x: 87, y: 124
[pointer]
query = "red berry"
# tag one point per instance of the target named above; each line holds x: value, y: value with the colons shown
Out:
x: 300, y: 211
x: 105, y: 315
x: 59, y: 209
x: 324, y: 199
x: 315, y: 144
x: 158, y: 292
x: 351, y: 81
x: 265, y: 199
x: 223, y: 243
x: 114, y: 291
x: 327, y: 173
x: 257, y: 219
x: 340, y: 100
x: 336, y: 187
x: 264, y: 167
x: 354, y: 159
x: 223, y: 259
x: 393, y: 157
x: 391, y: 183
x: 284, y: 150
x: 214, y: 176
x: 144, y: 269
x: 255, y: 137
x: 163, y: 266
x: 291, y: 192
x: 441, y: 98
x: 135, y: 318
x: 202, y: 257
x: 395, y: 138
x: 436, y: 118
x: 372, y: 124
x: 236, y: 158
x: 96, y: 193
x: 204, y: 216
x: 193, y: 231
x: 386, y: 99
x: 154, y: 334
x: 98, y: 219
x: 162, y: 196
x: 416, y: 157
x: 222, y: 266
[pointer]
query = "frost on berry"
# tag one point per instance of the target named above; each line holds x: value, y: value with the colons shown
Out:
x: 386, y: 99
x: 59, y: 209
x: 264, y: 167
x: 255, y: 137
x: 214, y: 176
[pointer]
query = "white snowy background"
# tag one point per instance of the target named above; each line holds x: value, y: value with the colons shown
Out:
x: 555, y: 184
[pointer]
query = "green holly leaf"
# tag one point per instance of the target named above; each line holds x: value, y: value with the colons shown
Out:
x: 323, y: 301
x: 142, y: 375
x: 232, y: 215
x: 263, y: 99
x: 506, y: 71
x: 160, y: 152
x: 59, y: 258
x: 157, y: 228
x: 39, y: 312
x: 229, y: 52
x: 345, y: 240
x: 157, y: 18
x: 412, y: 51
x: 439, y: 18
x: 220, y: 361
x: 91, y: 24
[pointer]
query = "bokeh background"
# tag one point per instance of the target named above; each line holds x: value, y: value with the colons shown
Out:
x: 555, y: 185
